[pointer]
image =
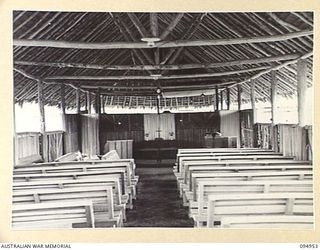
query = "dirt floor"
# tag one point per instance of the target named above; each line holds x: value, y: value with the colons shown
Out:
x: 158, y: 203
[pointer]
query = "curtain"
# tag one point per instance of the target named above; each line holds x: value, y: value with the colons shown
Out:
x: 230, y: 124
x: 90, y: 134
x: 162, y: 125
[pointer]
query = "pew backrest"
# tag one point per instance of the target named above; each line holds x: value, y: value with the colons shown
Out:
x: 225, y: 205
x: 53, y: 215
x: 270, y: 222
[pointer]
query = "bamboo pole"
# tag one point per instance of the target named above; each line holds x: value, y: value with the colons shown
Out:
x: 253, y: 101
x: 44, y: 146
x: 228, y: 98
x: 161, y: 44
x: 160, y: 66
x: 302, y: 76
x: 192, y: 76
x: 217, y: 99
x: 274, y: 83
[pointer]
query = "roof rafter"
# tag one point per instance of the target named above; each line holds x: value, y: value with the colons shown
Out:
x: 161, y: 44
x: 160, y: 66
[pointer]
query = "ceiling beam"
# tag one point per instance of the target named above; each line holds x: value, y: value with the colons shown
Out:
x: 31, y: 77
x: 161, y: 44
x: 135, y: 77
x: 198, y: 86
x: 278, y: 67
x: 171, y: 26
x: 269, y: 59
x: 135, y: 20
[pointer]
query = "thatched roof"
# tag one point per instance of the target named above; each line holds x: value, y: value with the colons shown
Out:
x: 197, y: 51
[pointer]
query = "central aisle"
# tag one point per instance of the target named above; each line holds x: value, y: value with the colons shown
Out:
x: 158, y: 203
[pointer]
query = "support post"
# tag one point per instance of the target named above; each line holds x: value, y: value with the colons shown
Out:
x: 228, y: 99
x: 217, y: 99
x: 239, y: 96
x: 221, y: 99
x: 302, y: 76
x: 78, y: 102
x: 63, y: 115
x: 239, y: 90
x: 253, y: 101
x: 79, y: 130
x: 42, y: 121
x: 273, y: 98
x: 89, y: 102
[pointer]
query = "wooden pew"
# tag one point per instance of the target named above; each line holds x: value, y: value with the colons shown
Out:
x: 120, y: 198
x: 213, y: 150
x: 254, y: 175
x: 76, y: 167
x: 181, y: 157
x: 210, y: 166
x: 262, y: 160
x: 105, y: 211
x: 53, y: 215
x: 198, y: 206
x: 220, y: 206
x: 106, y: 173
x: 267, y: 221
x: 239, y: 169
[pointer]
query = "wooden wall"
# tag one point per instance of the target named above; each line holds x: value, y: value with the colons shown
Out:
x: 192, y: 127
x: 121, y: 127
x: 71, y: 143
x: 90, y: 134
x: 27, y: 144
x: 230, y: 124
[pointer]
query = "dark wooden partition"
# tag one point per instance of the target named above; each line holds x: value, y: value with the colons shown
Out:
x: 191, y: 128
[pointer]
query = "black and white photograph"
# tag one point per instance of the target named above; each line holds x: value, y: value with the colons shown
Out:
x: 162, y: 120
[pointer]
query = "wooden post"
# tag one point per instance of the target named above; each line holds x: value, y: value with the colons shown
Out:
x: 239, y: 96
x: 63, y: 99
x: 217, y: 99
x: 221, y: 99
x: 302, y: 75
x: 78, y: 101
x: 42, y: 122
x: 89, y: 102
x: 102, y: 104
x: 228, y: 99
x: 273, y: 98
x: 273, y: 95
x: 97, y: 104
x: 239, y: 90
x: 79, y: 130
x: 63, y: 115
x: 253, y: 101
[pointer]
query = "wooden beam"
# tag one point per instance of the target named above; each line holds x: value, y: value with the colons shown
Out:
x: 155, y: 33
x: 135, y: 20
x: 161, y: 44
x: 253, y: 101
x: 42, y: 121
x: 160, y: 66
x: 192, y: 76
x: 154, y: 24
x: 273, y: 98
x: 239, y: 90
x: 221, y: 99
x: 63, y: 99
x: 151, y: 87
x: 228, y: 98
x: 274, y: 86
x: 280, y: 66
x: 78, y: 101
x: 88, y: 101
x: 171, y: 26
x: 217, y: 99
x: 302, y: 76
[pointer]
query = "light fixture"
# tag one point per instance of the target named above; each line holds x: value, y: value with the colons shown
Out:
x: 150, y: 40
x: 155, y: 76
